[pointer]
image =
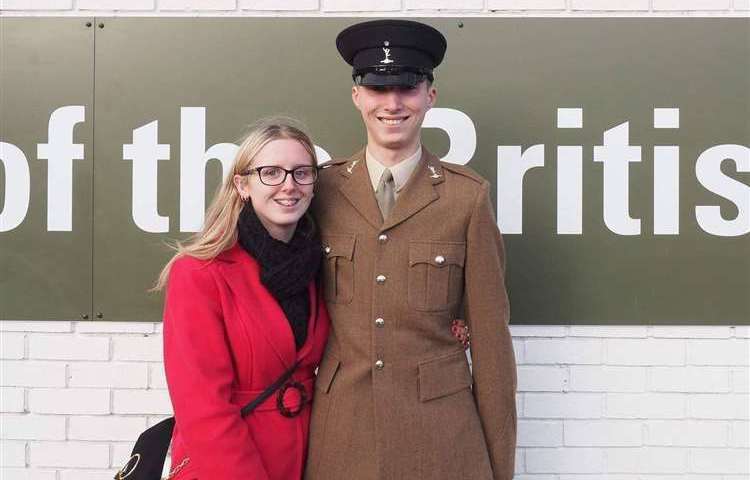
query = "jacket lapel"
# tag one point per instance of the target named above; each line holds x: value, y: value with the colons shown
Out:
x: 418, y: 192
x: 242, y: 274
x: 357, y: 189
x: 312, y: 323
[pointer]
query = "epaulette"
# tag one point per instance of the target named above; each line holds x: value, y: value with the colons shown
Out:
x: 333, y: 163
x: 463, y: 170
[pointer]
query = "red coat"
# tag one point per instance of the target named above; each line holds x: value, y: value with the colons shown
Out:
x: 225, y: 340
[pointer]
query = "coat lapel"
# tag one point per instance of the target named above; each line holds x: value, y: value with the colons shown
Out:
x: 242, y: 274
x: 357, y: 189
x: 418, y: 192
x: 312, y: 323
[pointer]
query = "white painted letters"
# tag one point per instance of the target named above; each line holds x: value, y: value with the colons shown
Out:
x: 193, y: 160
x: 145, y: 152
x: 570, y: 176
x: 666, y: 177
x: 666, y: 190
x: 513, y: 162
x: 17, y: 186
x: 60, y: 151
x: 512, y: 165
x: 570, y: 190
x: 460, y: 130
x: 616, y: 154
x: 708, y: 172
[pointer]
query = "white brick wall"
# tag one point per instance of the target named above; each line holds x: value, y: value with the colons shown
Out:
x: 623, y: 5
x: 197, y: 5
x: 359, y: 5
x: 627, y: 403
x: 614, y: 402
x: 120, y: 5
x: 532, y: 5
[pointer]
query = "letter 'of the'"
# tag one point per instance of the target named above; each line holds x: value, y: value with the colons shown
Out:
x: 17, y: 186
x: 145, y: 152
x: 193, y: 159
x: 708, y: 172
x: 460, y: 130
x: 616, y: 155
x: 512, y: 165
x: 60, y: 151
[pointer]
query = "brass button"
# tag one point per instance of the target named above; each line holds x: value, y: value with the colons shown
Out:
x: 382, y: 238
x: 440, y: 259
x: 379, y: 364
x: 380, y: 279
x: 327, y: 249
x: 379, y: 322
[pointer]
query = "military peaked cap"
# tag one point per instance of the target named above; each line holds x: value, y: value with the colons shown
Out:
x: 391, y: 52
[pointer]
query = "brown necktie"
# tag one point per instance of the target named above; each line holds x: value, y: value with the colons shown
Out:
x: 385, y: 193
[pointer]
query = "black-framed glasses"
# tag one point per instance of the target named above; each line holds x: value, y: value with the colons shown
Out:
x: 272, y: 175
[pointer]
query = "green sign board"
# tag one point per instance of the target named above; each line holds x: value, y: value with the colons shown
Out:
x: 47, y: 135
x: 618, y: 150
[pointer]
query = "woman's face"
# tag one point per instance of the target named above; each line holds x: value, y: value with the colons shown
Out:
x: 278, y: 207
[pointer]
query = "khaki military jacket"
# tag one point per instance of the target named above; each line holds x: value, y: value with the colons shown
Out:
x: 395, y: 398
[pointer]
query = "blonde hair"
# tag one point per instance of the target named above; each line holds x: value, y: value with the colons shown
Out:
x: 220, y: 226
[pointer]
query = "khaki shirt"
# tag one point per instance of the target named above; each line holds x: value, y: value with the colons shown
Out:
x: 401, y: 172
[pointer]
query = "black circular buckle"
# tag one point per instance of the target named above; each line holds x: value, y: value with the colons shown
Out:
x: 280, y: 399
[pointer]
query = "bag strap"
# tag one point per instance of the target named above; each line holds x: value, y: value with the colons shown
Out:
x: 269, y: 391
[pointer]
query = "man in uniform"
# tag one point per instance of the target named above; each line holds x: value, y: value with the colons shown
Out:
x: 411, y: 244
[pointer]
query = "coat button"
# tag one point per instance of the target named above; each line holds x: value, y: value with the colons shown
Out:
x: 327, y: 249
x: 440, y: 259
x: 379, y: 364
x: 382, y: 238
x: 380, y: 279
x: 379, y: 322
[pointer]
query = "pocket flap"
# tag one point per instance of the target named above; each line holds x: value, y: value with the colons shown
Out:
x: 443, y: 376
x: 437, y: 254
x: 339, y: 246
x: 326, y: 371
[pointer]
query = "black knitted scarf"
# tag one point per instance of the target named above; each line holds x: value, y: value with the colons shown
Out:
x: 286, y: 269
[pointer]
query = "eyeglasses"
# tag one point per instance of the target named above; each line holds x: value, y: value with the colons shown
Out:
x: 272, y: 175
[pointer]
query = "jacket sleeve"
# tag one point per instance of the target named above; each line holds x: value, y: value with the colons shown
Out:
x: 200, y: 374
x: 487, y: 313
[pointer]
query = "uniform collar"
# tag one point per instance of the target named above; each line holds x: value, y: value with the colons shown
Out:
x: 401, y: 171
x: 420, y: 190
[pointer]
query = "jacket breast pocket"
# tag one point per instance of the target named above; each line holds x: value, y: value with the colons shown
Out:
x: 444, y: 375
x: 338, y: 269
x: 436, y: 275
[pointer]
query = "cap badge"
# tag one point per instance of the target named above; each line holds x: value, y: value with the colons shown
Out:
x: 435, y: 174
x: 387, y: 51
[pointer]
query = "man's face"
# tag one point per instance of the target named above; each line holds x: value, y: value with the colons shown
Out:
x: 394, y: 115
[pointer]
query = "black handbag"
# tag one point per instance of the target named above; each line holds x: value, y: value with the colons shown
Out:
x: 150, y: 450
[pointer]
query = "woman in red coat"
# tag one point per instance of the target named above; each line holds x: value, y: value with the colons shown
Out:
x: 242, y: 307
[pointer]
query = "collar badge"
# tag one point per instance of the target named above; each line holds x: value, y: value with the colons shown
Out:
x: 435, y: 174
x: 351, y: 167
